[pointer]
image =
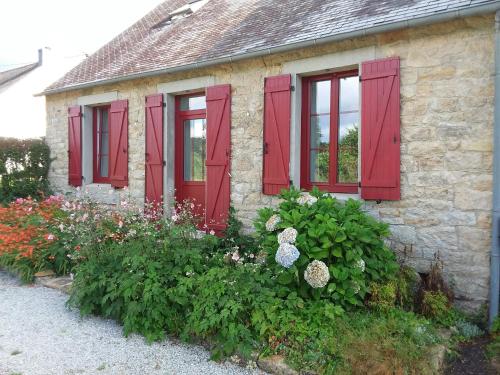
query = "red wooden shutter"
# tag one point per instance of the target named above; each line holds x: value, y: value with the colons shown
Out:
x: 218, y: 155
x: 380, y: 138
x: 118, y: 143
x: 154, y: 148
x: 276, y: 163
x: 75, y: 146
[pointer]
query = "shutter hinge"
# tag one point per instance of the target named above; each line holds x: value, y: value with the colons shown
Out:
x: 292, y: 88
x: 164, y: 163
x: 164, y: 104
x: 359, y: 184
x: 360, y: 79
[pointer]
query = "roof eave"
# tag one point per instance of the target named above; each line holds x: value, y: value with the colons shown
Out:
x: 435, y: 18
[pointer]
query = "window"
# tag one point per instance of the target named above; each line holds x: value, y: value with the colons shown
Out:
x: 330, y: 130
x: 101, y: 144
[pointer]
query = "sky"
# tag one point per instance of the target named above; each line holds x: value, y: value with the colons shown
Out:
x: 68, y: 27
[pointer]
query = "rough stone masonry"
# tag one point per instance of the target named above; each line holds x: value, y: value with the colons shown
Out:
x: 446, y: 141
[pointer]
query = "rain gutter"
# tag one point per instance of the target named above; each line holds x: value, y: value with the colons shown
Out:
x: 495, y: 232
x: 434, y: 18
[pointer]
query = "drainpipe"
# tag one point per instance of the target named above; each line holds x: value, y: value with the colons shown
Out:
x: 495, y: 240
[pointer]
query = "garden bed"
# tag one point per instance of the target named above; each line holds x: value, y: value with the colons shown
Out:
x: 315, y: 286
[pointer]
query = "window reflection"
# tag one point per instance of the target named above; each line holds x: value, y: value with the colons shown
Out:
x: 190, y: 103
x: 195, y: 134
x: 348, y: 131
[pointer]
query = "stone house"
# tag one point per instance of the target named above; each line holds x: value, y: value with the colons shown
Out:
x: 227, y: 102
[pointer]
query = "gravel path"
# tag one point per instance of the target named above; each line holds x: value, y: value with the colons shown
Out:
x: 40, y: 336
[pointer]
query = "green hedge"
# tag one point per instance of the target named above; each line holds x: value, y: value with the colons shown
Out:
x: 24, y: 168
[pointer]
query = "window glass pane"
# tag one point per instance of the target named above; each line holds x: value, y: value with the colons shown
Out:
x: 189, y: 103
x: 349, y: 94
x: 104, y: 166
x: 194, y: 149
x: 104, y: 144
x: 320, y: 96
x: 320, y: 131
x: 347, y: 168
x: 319, y: 165
x: 104, y: 134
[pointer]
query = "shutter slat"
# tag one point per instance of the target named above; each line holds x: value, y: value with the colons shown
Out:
x: 118, y: 143
x: 75, y: 146
x: 277, y: 110
x: 218, y: 156
x: 380, y: 124
x: 154, y: 149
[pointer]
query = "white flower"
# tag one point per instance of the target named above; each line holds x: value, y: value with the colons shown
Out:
x: 212, y: 232
x: 289, y: 235
x: 361, y: 265
x: 317, y: 274
x: 356, y: 287
x: 120, y: 224
x: 236, y: 256
x: 61, y: 227
x: 50, y: 237
x: 287, y: 254
x: 306, y: 198
x: 175, y: 217
x: 272, y: 222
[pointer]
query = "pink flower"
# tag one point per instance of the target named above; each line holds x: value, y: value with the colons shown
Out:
x: 120, y: 224
x: 19, y: 201
x: 50, y: 237
x: 212, y: 232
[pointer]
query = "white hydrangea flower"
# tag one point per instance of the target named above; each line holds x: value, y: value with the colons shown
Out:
x: 272, y: 222
x: 356, y: 287
x: 286, y: 255
x: 361, y: 265
x: 307, y: 198
x: 289, y: 235
x: 317, y: 274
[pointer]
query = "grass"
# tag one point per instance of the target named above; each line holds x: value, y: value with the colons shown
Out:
x: 393, y: 342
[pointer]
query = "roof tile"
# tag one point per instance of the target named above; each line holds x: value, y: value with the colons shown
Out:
x: 223, y: 28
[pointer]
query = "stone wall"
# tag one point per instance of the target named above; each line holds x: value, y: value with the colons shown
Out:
x: 446, y: 149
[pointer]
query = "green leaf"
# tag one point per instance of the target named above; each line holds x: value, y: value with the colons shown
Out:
x: 337, y: 252
x: 285, y: 278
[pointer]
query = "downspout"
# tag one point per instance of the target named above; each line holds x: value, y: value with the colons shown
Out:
x: 495, y: 240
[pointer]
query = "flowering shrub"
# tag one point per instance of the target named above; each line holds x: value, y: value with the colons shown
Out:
x: 338, y: 250
x: 25, y: 232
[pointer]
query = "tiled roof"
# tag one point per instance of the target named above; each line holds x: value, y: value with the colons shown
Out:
x: 224, y: 28
x: 9, y: 75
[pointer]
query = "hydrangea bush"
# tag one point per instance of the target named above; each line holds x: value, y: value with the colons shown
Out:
x: 325, y: 248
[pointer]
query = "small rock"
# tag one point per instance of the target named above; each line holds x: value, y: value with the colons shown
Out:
x: 45, y: 273
x: 275, y: 365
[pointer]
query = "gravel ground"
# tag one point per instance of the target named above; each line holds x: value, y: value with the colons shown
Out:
x: 40, y: 336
